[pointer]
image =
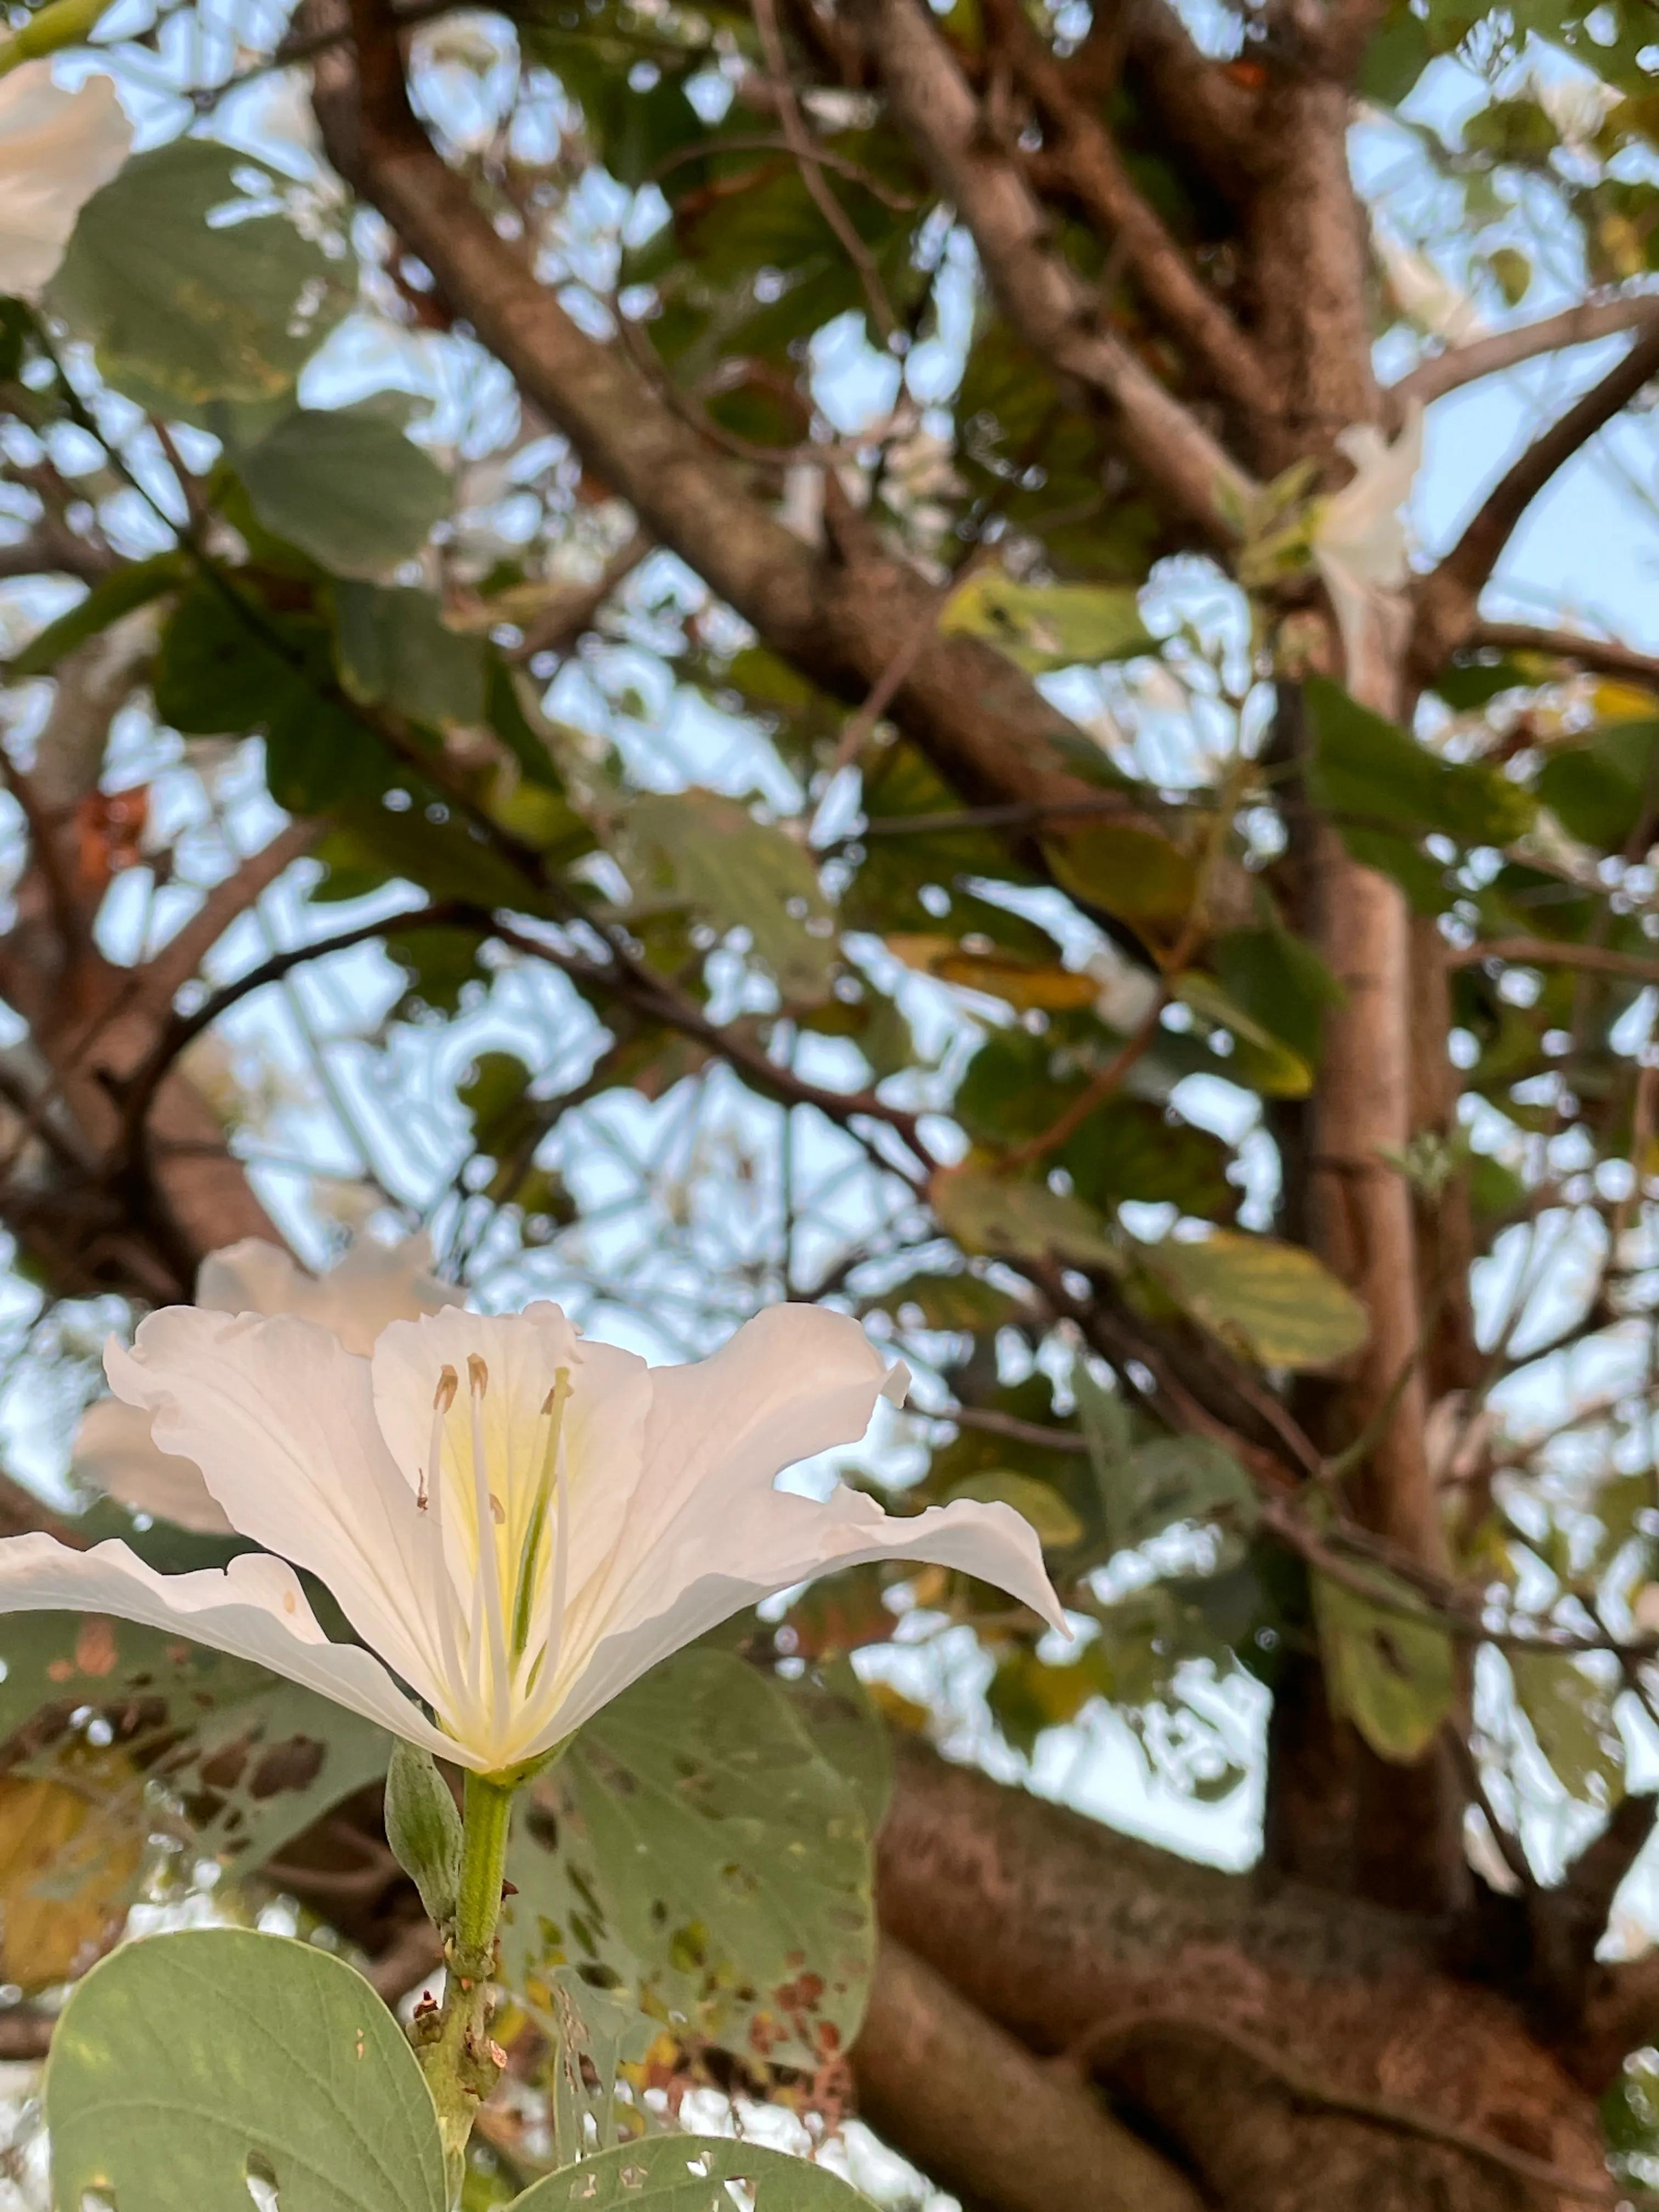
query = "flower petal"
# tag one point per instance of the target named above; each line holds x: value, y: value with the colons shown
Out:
x: 707, y: 1534
x: 777, y: 1540
x: 57, y: 148
x: 255, y: 1609
x: 603, y: 1426
x: 280, y: 1418
x: 372, y: 1284
x: 793, y: 1381
x: 113, y: 1447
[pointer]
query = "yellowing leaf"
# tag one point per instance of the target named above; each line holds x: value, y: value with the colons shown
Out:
x: 1126, y: 870
x: 66, y: 1870
x: 708, y: 851
x: 1055, y: 1523
x: 1273, y: 1301
x: 989, y: 1212
x: 1623, y: 703
x: 1022, y: 983
x: 1388, y: 1664
x: 1572, y: 1717
x: 1050, y: 626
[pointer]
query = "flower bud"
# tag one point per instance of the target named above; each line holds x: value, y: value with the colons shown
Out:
x: 424, y: 1829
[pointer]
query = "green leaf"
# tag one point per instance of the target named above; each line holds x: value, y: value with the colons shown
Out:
x: 394, y: 650
x: 223, y: 662
x: 133, y: 585
x: 251, y: 1760
x: 495, y: 1094
x: 691, y: 2174
x: 1057, y: 1527
x: 696, y: 1851
x: 1126, y: 870
x: 1274, y: 1302
x: 699, y: 849
x: 989, y: 1212
x: 1174, y: 1478
x: 1104, y: 1420
x: 960, y: 1302
x: 347, y: 487
x: 1264, y: 1062
x: 1374, y: 774
x: 1572, y: 1718
x: 1388, y: 1664
x: 227, y: 664
x: 182, y: 313
x: 1027, y: 1694
x: 1280, y: 982
x: 596, y: 2037
x: 1597, y: 790
x: 186, y: 2063
x: 1138, y: 1148
x: 1050, y: 626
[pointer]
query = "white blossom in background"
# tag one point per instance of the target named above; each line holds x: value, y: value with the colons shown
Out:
x: 1361, y: 537
x: 372, y: 1284
x: 517, y: 1524
x: 57, y: 149
x: 1577, y: 102
x: 1423, y: 292
x: 466, y: 68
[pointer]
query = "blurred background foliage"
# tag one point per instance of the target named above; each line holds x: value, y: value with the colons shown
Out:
x: 669, y: 983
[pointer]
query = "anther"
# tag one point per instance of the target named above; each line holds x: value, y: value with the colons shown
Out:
x: 444, y: 1396
x: 477, y: 1375
x: 497, y: 1510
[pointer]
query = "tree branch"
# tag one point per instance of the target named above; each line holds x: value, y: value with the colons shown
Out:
x: 1094, y: 170
x: 163, y: 974
x: 981, y: 720
x: 1209, y: 113
x: 977, y: 2112
x: 1052, y: 1925
x: 1554, y: 952
x: 1448, y: 600
x: 799, y: 141
x: 1603, y: 656
x: 1460, y: 365
x: 51, y: 548
x: 1046, y: 302
x: 651, y: 996
x: 568, y: 614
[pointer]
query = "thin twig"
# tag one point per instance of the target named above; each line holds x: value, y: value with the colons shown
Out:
x: 811, y: 174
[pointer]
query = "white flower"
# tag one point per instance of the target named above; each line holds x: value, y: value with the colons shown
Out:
x: 1423, y: 292
x: 373, y: 1284
x: 517, y: 1524
x: 1361, y: 542
x: 57, y: 149
x: 1577, y: 104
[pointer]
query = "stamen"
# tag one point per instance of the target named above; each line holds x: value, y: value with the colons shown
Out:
x: 555, y: 1643
x: 489, y: 1569
x: 530, y: 1558
x: 432, y: 1492
x: 442, y: 1399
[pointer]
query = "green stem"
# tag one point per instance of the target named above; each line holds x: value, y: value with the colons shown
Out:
x: 453, y: 2044
x: 487, y: 1811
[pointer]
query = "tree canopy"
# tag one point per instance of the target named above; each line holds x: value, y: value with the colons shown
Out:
x: 987, y: 664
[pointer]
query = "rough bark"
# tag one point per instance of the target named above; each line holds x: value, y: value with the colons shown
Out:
x: 1166, y: 1977
x: 973, y: 2107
